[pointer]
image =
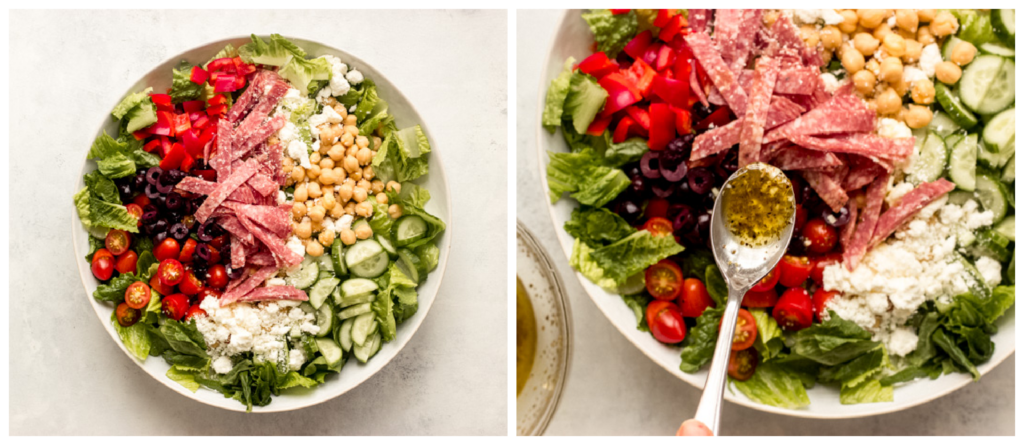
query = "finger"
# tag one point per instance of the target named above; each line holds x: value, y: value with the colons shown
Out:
x: 693, y: 427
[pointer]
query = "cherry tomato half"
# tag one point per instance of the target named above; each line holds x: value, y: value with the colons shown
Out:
x: 174, y: 306
x: 102, y: 265
x: 207, y: 293
x: 742, y: 364
x: 658, y: 226
x: 665, y: 322
x: 187, y: 251
x: 171, y: 272
x: 800, y: 218
x: 664, y: 280
x: 137, y: 295
x: 193, y: 312
x: 656, y: 208
x: 141, y: 200
x: 136, y: 211
x: 126, y: 262
x: 219, y: 242
x: 167, y: 249
x: 190, y: 285
x: 118, y: 241
x: 217, y: 276
x: 127, y: 316
x: 746, y: 330
x: 819, y: 236
x: 695, y: 298
x: 793, y: 311
x: 794, y: 270
x: 214, y: 255
x: 820, y: 263
x: 160, y: 288
x: 820, y: 300
x: 768, y: 282
x: 767, y: 298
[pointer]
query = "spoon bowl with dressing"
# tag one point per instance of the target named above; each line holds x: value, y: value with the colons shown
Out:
x: 751, y: 226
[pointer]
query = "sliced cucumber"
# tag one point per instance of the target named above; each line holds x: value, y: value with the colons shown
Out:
x: 338, y: 258
x: 362, y: 222
x: 326, y: 264
x: 1003, y: 25
x: 931, y: 160
x: 954, y: 139
x: 996, y: 50
x: 1008, y: 173
x: 323, y: 288
x: 308, y: 273
x: 366, y: 259
x: 357, y: 286
x: 336, y: 296
x: 363, y: 327
x: 999, y: 134
x: 956, y: 110
x: 358, y: 299
x: 354, y: 311
x: 942, y: 124
x: 987, y: 85
x: 975, y: 281
x: 409, y: 229
x: 992, y: 244
x: 325, y: 318
x: 331, y: 351
x: 947, y: 48
x: 385, y: 243
x: 959, y: 197
x: 409, y: 263
x: 345, y: 335
x: 324, y: 274
x: 368, y: 349
x: 1009, y: 273
x: 1005, y: 228
x: 993, y: 196
x: 963, y: 162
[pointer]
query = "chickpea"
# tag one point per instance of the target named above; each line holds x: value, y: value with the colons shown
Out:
x: 810, y: 36
x: 882, y: 31
x: 298, y: 173
x: 376, y: 142
x: 849, y: 24
x: 341, y: 110
x: 314, y: 249
x: 347, y: 140
x: 395, y: 211
x: 963, y: 53
x: 906, y: 19
x: 326, y: 164
x: 363, y: 184
x: 769, y: 18
x: 317, y: 213
x: 330, y: 101
x: 926, y: 15
x: 352, y: 129
x: 338, y: 211
x: 364, y: 209
x: 382, y: 198
x: 327, y: 176
x: 901, y: 86
x: 377, y: 186
x: 864, y: 82
x: 888, y: 102
x: 393, y: 186
x: 287, y: 162
x: 363, y: 156
x: 943, y: 25
x: 298, y: 211
x: 352, y: 151
x: 894, y: 45
x: 348, y: 237
x: 865, y: 43
x: 363, y: 231
x: 947, y: 73
x: 356, y: 175
x: 853, y: 60
x: 326, y: 238
x: 871, y: 18
x: 362, y: 142
x: 317, y: 226
x: 273, y: 140
x: 913, y: 52
x: 917, y: 116
x: 314, y: 158
x: 345, y: 192
x: 304, y: 229
x: 925, y: 36
x: 351, y: 164
x: 350, y: 208
x: 336, y: 152
x: 326, y: 133
x: 831, y: 38
x: 907, y: 35
x: 313, y: 189
x: 339, y: 175
x: 328, y: 200
x: 891, y: 70
x: 368, y: 172
x: 873, y: 66
x: 350, y: 120
x: 923, y: 92
x: 313, y: 171
x: 300, y: 194
x: 359, y: 195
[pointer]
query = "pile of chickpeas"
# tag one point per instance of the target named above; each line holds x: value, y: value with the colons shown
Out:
x: 339, y: 182
x: 874, y: 55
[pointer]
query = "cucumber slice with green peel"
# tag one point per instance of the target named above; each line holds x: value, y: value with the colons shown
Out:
x: 959, y: 197
x: 331, y: 351
x: 338, y: 258
x: 368, y: 349
x: 307, y: 308
x: 1005, y: 228
x: 324, y: 274
x: 953, y: 139
x: 993, y: 195
x: 974, y: 279
x: 992, y: 244
x: 325, y: 319
x: 999, y: 134
x: 1008, y: 173
x: 409, y: 229
x: 942, y: 124
x: 321, y: 290
x: 931, y: 159
x: 947, y: 48
x: 366, y: 259
x: 633, y: 285
x: 1003, y: 25
x: 326, y: 264
x: 357, y: 286
x: 956, y: 110
x: 363, y: 327
x: 308, y: 273
x: 345, y: 334
x: 991, y: 160
x: 336, y: 296
x: 410, y: 265
x: 963, y: 162
x: 996, y: 50
x: 385, y: 243
x: 1009, y: 273
x: 358, y: 299
x: 987, y: 84
x: 354, y: 311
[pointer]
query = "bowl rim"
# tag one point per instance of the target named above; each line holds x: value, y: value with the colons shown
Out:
x: 697, y: 380
x: 445, y: 250
x: 551, y: 272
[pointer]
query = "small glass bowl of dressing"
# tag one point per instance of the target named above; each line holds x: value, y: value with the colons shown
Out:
x: 543, y: 335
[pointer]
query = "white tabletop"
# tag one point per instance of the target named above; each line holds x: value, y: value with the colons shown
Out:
x: 69, y: 69
x: 613, y: 389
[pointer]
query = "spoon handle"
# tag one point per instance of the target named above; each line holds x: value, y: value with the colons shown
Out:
x: 710, y: 408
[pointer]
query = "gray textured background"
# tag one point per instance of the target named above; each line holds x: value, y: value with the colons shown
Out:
x: 613, y: 389
x: 66, y: 374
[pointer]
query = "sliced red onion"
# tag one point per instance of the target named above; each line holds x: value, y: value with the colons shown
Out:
x: 649, y: 165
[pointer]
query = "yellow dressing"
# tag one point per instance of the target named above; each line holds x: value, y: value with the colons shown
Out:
x: 758, y: 205
x: 526, y: 337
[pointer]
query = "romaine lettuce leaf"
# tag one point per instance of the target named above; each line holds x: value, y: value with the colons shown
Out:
x: 557, y: 92
x: 135, y: 337
x: 367, y: 100
x: 774, y: 385
x: 946, y: 343
x: 182, y: 87
x: 105, y: 146
x: 116, y: 166
x: 300, y: 72
x: 140, y: 117
x: 611, y: 32
x: 871, y: 391
x: 184, y: 377
x: 585, y: 99
x: 597, y: 226
x: 184, y: 338
x: 638, y: 303
x: 833, y: 342
x: 101, y: 187
x: 131, y: 101
x: 434, y: 224
x: 625, y: 152
x: 769, y: 341
x: 109, y: 215
x: 228, y: 51
x: 699, y: 344
x: 855, y: 371
x: 414, y: 195
x: 277, y: 53
x: 633, y: 254
x: 715, y: 284
x: 583, y: 176
x: 412, y: 142
x: 428, y: 254
x: 581, y: 261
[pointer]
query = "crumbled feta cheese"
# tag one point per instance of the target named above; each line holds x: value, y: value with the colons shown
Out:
x: 295, y: 359
x: 990, y: 269
x: 930, y: 56
x: 288, y: 132
x: 812, y: 16
x: 344, y: 223
x: 299, y: 151
x: 901, y: 342
x: 292, y: 99
x: 893, y: 129
x: 276, y: 281
x: 327, y: 225
x: 830, y: 81
x: 260, y: 328
x: 281, y: 197
x: 331, y: 116
x: 913, y: 74
x: 316, y: 120
x: 295, y: 245
x: 354, y: 77
x: 222, y: 365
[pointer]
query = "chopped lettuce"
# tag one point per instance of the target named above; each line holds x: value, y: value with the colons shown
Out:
x: 412, y: 142
x: 769, y: 341
x: 131, y: 101
x: 597, y: 226
x: 104, y: 146
x: 378, y: 116
x: 252, y: 384
x: 858, y: 370
x: 367, y: 100
x: 411, y: 205
x: 140, y: 117
x: 638, y: 303
x: 414, y: 195
x: 182, y: 87
x: 774, y: 385
x: 699, y: 344
x: 277, y: 53
x: 557, y: 92
x: 715, y: 284
x: 429, y: 254
x: 975, y: 26
x: 184, y: 377
x: 833, y: 342
x: 391, y: 283
x: 583, y: 176
x: 101, y: 187
x: 300, y: 72
x: 135, y: 337
x: 633, y: 254
x: 585, y: 99
x: 401, y: 155
x: 625, y: 152
x: 581, y: 261
x: 611, y: 32
x: 227, y: 51
x: 116, y: 166
x: 871, y: 391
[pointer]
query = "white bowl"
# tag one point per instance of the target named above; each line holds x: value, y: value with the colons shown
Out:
x: 353, y: 373
x: 574, y: 39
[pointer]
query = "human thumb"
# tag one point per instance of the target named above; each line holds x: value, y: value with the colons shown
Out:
x: 693, y: 427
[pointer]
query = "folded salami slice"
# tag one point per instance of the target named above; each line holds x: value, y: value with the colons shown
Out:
x: 743, y: 43
x: 844, y: 113
x: 248, y: 98
x: 788, y: 37
x: 699, y: 19
x: 910, y: 204
x: 696, y: 88
x: 793, y: 157
x: 862, y: 171
x: 269, y: 293
x: 273, y: 218
x: 858, y: 245
x: 846, y: 234
x: 221, y: 159
x: 782, y: 110
x: 758, y: 102
x: 272, y: 94
x: 827, y: 188
x: 258, y: 135
x: 716, y: 140
x: 723, y: 78
x: 797, y: 80
x: 864, y: 144
x: 263, y: 258
x: 274, y: 243
x: 231, y: 224
x: 263, y: 184
x: 237, y: 253
x: 256, y: 279
x: 224, y: 189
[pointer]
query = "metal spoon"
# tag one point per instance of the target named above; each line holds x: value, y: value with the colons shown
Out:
x: 742, y: 266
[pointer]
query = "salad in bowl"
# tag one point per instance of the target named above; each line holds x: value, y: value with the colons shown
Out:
x: 896, y: 129
x: 259, y: 223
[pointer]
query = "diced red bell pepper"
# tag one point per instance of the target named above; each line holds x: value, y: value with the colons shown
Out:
x: 217, y: 99
x: 151, y: 145
x: 598, y: 65
x: 674, y: 92
x: 239, y: 82
x: 599, y: 124
x: 217, y: 110
x: 209, y: 175
x: 672, y: 28
x: 161, y: 99
x: 636, y: 47
x: 173, y: 158
x: 640, y: 115
x: 199, y: 75
x: 621, y: 92
x: 225, y: 83
x: 164, y: 125
x: 201, y: 121
x: 207, y: 135
x: 141, y: 134
x: 181, y: 123
x: 642, y: 75
x: 620, y: 11
x: 621, y: 132
x: 718, y: 118
x: 190, y: 139
x: 244, y: 69
x: 165, y: 145
x: 651, y: 55
x: 664, y: 16
x: 682, y: 67
x: 665, y: 57
x: 193, y: 115
x: 683, y: 122
x: 224, y: 64
x: 187, y: 163
x: 193, y: 106
x: 663, y: 126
